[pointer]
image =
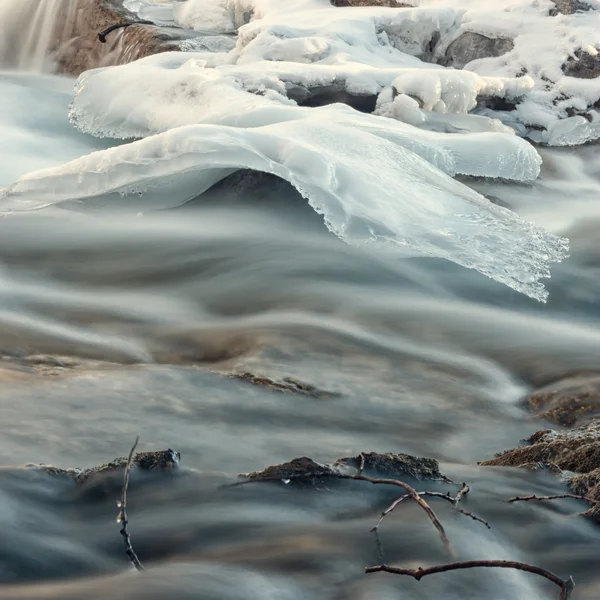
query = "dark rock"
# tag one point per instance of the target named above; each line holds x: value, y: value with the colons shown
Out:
x: 471, y: 46
x: 288, y: 384
x: 308, y: 473
x: 394, y: 465
x: 330, y: 94
x: 162, y: 461
x: 585, y: 66
x: 389, y: 3
x: 303, y: 471
x: 576, y: 451
x: 568, y: 7
x: 568, y: 401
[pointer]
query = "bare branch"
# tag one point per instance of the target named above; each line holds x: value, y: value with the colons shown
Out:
x: 414, y: 495
x: 465, y: 489
x: 474, y: 517
x: 566, y: 586
x: 122, y: 518
x: 540, y: 498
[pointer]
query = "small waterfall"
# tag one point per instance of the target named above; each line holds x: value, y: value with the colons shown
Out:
x: 30, y: 30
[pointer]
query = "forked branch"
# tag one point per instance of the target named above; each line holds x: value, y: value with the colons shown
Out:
x: 412, y: 493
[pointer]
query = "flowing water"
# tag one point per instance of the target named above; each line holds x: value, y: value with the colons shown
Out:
x: 126, y: 316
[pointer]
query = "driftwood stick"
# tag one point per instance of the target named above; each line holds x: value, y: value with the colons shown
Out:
x: 540, y: 498
x: 122, y: 518
x: 566, y: 586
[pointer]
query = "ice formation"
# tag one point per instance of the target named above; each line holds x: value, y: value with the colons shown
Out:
x: 540, y: 46
x: 273, y: 99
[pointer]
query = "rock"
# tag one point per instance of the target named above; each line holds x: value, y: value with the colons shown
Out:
x: 568, y: 401
x: 471, y: 46
x: 162, y: 461
x: 308, y: 473
x: 568, y: 7
x: 389, y: 3
x: 576, y: 451
x: 394, y: 465
x: 585, y: 66
x: 288, y: 384
x: 303, y: 471
x: 75, y: 44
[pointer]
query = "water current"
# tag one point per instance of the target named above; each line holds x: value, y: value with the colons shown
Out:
x: 134, y: 319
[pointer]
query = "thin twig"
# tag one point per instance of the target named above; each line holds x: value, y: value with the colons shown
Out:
x: 566, y: 586
x: 379, y: 546
x: 474, y: 517
x: 447, y: 496
x: 464, y: 490
x: 414, y: 495
x: 122, y: 518
x: 540, y: 498
x: 361, y: 468
x: 390, y: 508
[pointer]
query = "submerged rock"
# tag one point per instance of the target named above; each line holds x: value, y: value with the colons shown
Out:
x: 307, y: 472
x: 287, y: 384
x: 304, y: 471
x: 162, y: 461
x: 471, y: 46
x: 394, y: 465
x: 568, y: 401
x: 575, y: 453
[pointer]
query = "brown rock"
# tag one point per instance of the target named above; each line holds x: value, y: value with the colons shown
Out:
x: 576, y: 451
x: 471, y: 46
x: 569, y: 401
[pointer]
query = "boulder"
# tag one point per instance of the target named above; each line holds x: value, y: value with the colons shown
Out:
x: 471, y: 46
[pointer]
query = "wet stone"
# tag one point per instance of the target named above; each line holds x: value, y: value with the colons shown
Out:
x: 163, y: 461
x: 575, y: 453
x: 569, y: 401
x: 308, y: 473
x: 302, y: 471
x: 287, y: 384
x: 393, y: 465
